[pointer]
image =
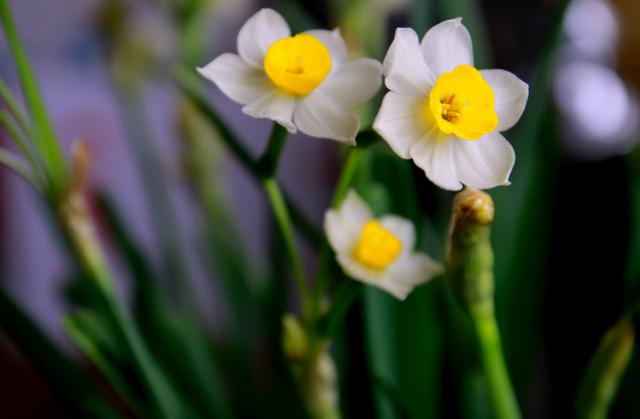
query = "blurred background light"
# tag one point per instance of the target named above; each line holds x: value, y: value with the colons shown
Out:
x: 592, y: 28
x: 598, y: 106
x: 600, y: 112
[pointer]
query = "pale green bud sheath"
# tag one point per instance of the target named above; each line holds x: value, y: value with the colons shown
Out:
x: 470, y: 270
x: 314, y: 371
x: 605, y: 370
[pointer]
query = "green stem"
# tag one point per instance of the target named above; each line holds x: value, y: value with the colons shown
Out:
x: 348, y: 169
x: 486, y: 328
x: 268, y: 166
x: 286, y: 229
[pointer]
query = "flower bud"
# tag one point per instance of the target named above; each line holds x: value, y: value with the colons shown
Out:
x: 470, y: 256
x: 295, y: 342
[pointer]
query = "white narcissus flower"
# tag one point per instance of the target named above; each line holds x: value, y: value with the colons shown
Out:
x: 445, y: 114
x: 303, y: 82
x: 377, y: 251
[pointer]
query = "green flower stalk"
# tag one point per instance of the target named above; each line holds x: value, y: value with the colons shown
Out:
x: 470, y: 269
x: 605, y: 371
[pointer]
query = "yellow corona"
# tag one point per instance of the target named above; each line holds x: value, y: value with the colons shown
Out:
x: 462, y: 103
x: 377, y: 246
x: 297, y: 64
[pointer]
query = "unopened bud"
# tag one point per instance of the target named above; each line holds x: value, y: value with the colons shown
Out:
x: 295, y: 341
x: 470, y: 256
x: 81, y: 162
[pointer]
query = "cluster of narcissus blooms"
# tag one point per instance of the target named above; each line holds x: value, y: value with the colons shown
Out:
x: 441, y: 112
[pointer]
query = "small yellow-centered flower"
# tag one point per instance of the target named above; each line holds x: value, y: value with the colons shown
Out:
x: 377, y: 251
x: 444, y: 113
x: 304, y: 82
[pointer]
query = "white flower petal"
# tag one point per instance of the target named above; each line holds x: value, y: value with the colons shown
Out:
x: 403, y: 229
x: 381, y: 279
x: 334, y: 43
x: 485, y: 162
x: 404, y: 67
x: 354, y: 211
x: 237, y: 79
x: 258, y: 33
x: 399, y: 289
x: 355, y: 270
x: 355, y: 82
x: 414, y: 269
x: 343, y: 226
x: 434, y: 153
x: 511, y: 96
x: 401, y: 121
x: 342, y: 239
x: 317, y: 115
x: 275, y: 105
x: 446, y: 46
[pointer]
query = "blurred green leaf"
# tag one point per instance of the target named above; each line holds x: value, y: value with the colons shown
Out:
x: 224, y: 250
x: 519, y: 244
x: 44, y: 136
x: 297, y: 15
x: 174, y: 273
x: 397, y: 398
x: 344, y: 297
x: 381, y: 343
x: 180, y: 345
x: 77, y: 393
x: 95, y: 338
x: 632, y: 292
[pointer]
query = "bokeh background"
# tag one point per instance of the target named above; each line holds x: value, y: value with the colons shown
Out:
x: 567, y: 232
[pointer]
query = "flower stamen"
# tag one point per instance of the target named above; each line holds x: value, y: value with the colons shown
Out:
x: 462, y: 103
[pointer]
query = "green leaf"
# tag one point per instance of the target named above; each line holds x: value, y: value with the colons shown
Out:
x: 419, y: 335
x: 44, y: 136
x: 174, y: 273
x: 381, y: 343
x: 77, y: 393
x: 181, y: 346
x: 94, y: 337
x: 518, y: 272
